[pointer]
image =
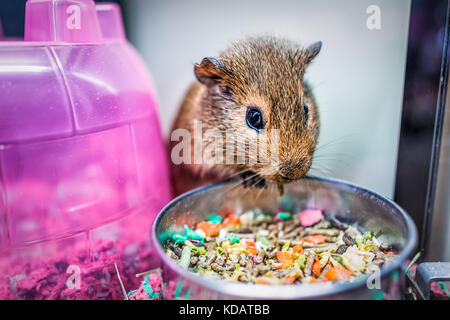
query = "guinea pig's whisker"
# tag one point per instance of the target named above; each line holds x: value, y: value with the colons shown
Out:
x: 234, y: 185
x: 326, y: 154
x: 330, y: 161
x: 240, y: 182
x: 238, y: 173
x: 334, y: 142
x: 250, y: 177
x: 260, y: 191
x: 245, y: 192
x: 322, y: 167
x: 318, y: 171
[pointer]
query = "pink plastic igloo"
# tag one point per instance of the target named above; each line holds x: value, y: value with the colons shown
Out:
x: 83, y: 169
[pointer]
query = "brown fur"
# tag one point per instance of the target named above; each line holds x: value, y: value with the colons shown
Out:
x: 259, y: 71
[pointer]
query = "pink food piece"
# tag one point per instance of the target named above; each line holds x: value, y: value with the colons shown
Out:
x: 155, y: 282
x: 436, y: 289
x: 140, y: 294
x: 310, y: 217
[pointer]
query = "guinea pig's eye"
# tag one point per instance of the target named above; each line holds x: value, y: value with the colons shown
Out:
x: 305, y: 107
x: 254, y: 118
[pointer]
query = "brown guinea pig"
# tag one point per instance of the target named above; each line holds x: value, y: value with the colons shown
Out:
x: 250, y: 91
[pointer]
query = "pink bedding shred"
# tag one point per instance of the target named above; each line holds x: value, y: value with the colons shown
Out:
x: 46, y: 279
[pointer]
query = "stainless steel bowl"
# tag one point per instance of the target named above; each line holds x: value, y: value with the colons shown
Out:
x: 350, y: 203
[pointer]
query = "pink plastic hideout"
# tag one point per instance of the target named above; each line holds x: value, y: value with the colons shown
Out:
x: 82, y: 162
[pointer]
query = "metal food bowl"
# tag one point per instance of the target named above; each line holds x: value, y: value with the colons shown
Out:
x: 347, y: 202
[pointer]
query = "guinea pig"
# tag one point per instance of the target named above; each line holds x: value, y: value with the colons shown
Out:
x: 252, y: 89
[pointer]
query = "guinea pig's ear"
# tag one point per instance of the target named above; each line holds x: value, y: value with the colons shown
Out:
x: 312, y: 51
x: 209, y: 71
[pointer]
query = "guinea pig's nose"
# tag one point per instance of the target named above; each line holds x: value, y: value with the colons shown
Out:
x: 290, y: 170
x: 287, y: 170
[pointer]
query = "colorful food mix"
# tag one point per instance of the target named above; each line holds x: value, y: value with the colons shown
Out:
x: 284, y: 248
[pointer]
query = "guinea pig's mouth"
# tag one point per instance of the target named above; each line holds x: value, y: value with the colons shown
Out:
x: 278, y: 178
x: 285, y: 179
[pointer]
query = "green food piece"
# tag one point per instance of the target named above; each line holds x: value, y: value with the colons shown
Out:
x: 284, y: 215
x: 131, y: 293
x: 214, y: 218
x: 377, y: 233
x: 191, y: 234
x: 148, y: 288
x: 444, y: 288
x: 195, y: 249
x: 185, y: 259
x: 165, y: 236
x: 366, y: 236
x: 369, y: 247
x: 338, y: 258
x: 410, y: 274
x: 301, y: 261
x: 200, y: 269
x: 233, y: 239
x: 179, y: 238
x: 264, y: 241
x: 286, y: 246
x: 188, y: 234
x: 219, y: 250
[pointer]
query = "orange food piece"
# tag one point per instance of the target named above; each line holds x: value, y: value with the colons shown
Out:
x: 317, y: 268
x: 289, y: 280
x: 313, y: 280
x: 285, y: 258
x: 252, y: 250
x: 262, y: 281
x: 249, y: 245
x: 210, y: 229
x: 337, y: 273
x: 298, y: 248
x: 230, y: 220
x: 316, y: 239
x: 281, y: 257
x: 332, y: 274
x: 389, y: 252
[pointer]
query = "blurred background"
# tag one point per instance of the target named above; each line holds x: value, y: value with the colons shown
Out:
x: 358, y: 78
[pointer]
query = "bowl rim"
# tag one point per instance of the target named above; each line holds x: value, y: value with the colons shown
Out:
x: 303, y: 291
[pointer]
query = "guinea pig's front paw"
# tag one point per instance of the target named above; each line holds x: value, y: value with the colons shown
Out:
x: 250, y: 179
